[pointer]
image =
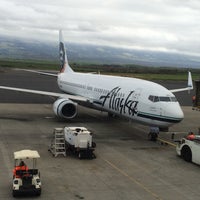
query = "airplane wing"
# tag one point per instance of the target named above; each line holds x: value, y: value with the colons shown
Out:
x: 189, y: 85
x: 39, y: 72
x: 53, y: 94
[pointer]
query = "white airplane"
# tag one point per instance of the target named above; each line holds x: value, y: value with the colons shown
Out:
x: 139, y: 100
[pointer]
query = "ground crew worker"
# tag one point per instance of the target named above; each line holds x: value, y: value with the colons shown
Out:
x: 21, y: 166
x: 193, y: 100
x: 190, y: 136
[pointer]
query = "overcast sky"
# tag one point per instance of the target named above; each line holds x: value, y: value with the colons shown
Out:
x: 164, y: 25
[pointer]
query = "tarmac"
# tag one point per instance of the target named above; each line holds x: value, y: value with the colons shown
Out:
x: 127, y: 165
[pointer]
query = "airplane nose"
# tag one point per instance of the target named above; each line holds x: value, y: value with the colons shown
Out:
x: 177, y: 113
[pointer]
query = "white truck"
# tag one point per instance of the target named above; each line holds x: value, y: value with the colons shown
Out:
x: 189, y: 148
x: 79, y: 141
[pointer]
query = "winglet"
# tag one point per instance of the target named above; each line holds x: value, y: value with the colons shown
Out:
x: 189, y: 85
x: 64, y: 66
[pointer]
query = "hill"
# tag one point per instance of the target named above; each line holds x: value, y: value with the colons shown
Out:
x: 12, y: 48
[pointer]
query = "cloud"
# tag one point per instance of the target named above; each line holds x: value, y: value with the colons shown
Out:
x: 163, y: 25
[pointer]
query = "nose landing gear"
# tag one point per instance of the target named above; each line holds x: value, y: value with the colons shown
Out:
x: 153, y: 133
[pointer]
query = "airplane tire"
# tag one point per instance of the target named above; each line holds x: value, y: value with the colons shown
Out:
x: 186, y: 154
x: 14, y: 193
x: 80, y: 155
x: 152, y: 136
x: 111, y: 115
x: 38, y: 193
x: 93, y: 145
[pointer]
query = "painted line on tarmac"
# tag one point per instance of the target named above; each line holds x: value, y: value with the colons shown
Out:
x: 133, y: 179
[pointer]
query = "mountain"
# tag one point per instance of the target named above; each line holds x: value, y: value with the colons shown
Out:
x: 12, y: 48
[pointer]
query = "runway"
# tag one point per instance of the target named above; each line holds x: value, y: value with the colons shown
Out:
x: 128, y: 166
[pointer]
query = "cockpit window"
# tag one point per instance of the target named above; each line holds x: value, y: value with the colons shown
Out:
x: 156, y: 99
x: 151, y: 98
x: 173, y: 99
x: 162, y: 99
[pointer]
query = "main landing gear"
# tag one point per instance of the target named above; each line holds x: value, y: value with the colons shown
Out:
x: 153, y: 133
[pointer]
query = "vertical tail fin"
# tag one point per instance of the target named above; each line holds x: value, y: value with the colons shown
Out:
x: 64, y: 65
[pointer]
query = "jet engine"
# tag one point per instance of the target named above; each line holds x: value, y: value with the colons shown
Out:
x: 65, y: 108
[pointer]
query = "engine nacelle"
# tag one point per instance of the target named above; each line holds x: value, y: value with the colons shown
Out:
x: 65, y: 108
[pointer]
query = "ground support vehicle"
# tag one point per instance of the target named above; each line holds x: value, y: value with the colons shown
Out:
x: 189, y: 148
x: 26, y: 181
x: 79, y: 141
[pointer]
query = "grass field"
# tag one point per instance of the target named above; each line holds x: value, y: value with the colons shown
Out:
x: 151, y: 76
x: 148, y: 73
x: 29, y: 64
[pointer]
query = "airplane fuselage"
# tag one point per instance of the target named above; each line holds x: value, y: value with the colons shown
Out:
x: 136, y: 99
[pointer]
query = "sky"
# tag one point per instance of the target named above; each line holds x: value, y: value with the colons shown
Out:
x: 157, y: 25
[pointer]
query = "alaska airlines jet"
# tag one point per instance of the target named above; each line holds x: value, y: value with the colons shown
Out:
x: 139, y: 100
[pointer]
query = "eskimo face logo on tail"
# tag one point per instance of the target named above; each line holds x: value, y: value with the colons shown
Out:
x: 62, y: 57
x: 122, y: 104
